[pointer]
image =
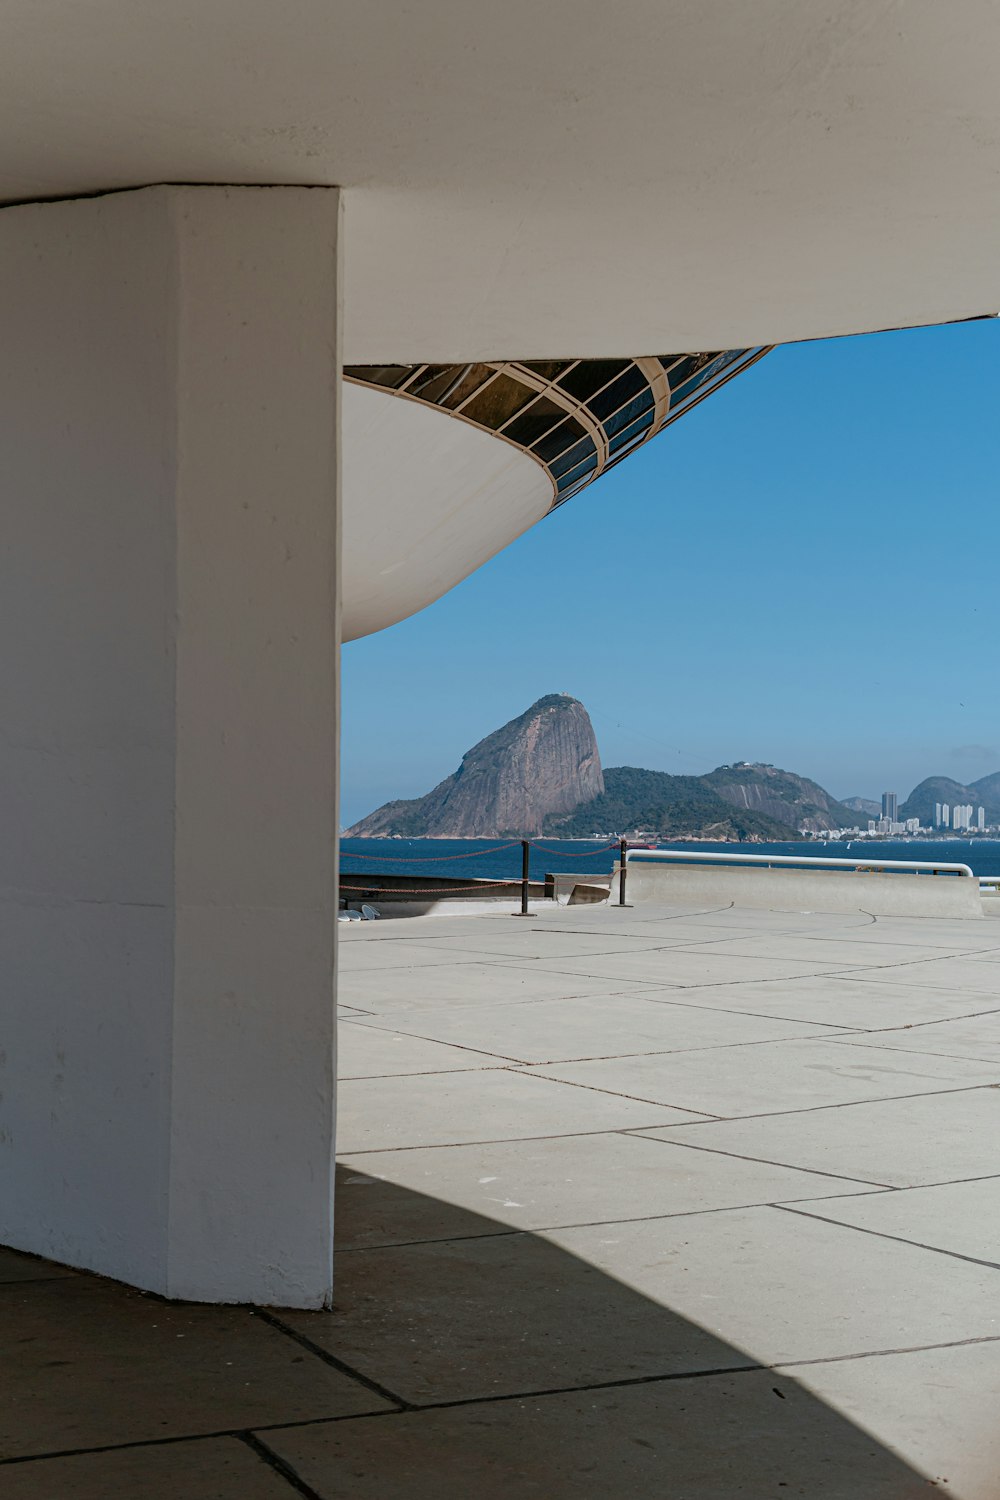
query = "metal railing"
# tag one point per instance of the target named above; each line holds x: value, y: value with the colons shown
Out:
x: 866, y: 865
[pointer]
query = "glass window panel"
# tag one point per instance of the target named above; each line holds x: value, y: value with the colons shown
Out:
x: 548, y: 369
x: 427, y: 375
x: 558, y: 440
x: 433, y: 390
x: 569, y: 487
x: 497, y: 402
x: 629, y: 412
x: 628, y: 384
x: 474, y: 377
x: 707, y: 373
x: 666, y: 360
x: 631, y: 434
x: 573, y: 456
x: 590, y: 375
x: 535, y: 422
x: 388, y: 375
x: 577, y: 472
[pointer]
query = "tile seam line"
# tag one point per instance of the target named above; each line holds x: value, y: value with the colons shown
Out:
x: 764, y: 1041
x: 745, y: 1369
x: 593, y: 1088
x: 278, y: 1465
x: 374, y: 1386
x: 762, y: 1161
x: 513, y: 1140
x: 815, y: 1109
x: 880, y: 1234
x: 414, y: 1409
x: 536, y: 1230
x: 917, y: 1052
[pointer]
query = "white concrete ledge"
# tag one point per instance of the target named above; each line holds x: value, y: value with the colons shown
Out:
x: 883, y: 895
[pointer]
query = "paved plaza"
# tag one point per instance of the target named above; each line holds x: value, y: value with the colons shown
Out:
x: 648, y: 1202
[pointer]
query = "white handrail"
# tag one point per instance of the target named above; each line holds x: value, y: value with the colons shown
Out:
x: 865, y: 863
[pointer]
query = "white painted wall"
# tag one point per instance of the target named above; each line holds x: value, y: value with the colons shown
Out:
x: 168, y: 733
x: 428, y: 498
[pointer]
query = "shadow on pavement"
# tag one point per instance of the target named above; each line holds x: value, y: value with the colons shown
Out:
x: 520, y: 1371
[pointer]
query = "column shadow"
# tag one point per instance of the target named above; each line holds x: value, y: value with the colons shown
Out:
x: 518, y: 1370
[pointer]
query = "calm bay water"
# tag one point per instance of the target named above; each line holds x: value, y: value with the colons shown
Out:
x: 482, y: 859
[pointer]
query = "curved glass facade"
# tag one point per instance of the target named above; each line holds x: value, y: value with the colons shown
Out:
x: 577, y: 418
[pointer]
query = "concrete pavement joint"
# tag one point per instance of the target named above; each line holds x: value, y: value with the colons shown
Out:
x: 374, y: 1386
x: 881, y: 1234
x: 278, y: 1465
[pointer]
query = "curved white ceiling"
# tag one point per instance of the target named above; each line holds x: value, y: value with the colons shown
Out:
x: 427, y: 500
x: 529, y: 180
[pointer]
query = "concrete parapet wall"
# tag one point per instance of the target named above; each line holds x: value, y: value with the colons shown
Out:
x: 887, y: 895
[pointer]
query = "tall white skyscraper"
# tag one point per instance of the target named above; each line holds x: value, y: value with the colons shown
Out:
x: 937, y: 815
x: 944, y: 814
x: 980, y: 818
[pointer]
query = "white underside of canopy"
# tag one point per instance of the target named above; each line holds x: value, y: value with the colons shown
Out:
x: 527, y: 180
x: 427, y: 499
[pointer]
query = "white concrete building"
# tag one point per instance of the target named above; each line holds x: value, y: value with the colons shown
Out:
x: 533, y: 238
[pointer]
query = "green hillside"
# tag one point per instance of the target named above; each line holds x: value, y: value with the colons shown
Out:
x: 669, y: 806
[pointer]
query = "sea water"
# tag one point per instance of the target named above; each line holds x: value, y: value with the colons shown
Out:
x: 500, y: 859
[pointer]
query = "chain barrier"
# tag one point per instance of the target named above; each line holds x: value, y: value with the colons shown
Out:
x: 444, y: 890
x: 526, y: 845
x: 431, y: 859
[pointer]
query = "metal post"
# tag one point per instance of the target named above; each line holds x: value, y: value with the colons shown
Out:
x: 525, y: 855
x: 623, y: 857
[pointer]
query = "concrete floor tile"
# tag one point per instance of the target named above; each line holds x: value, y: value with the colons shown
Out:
x: 772, y: 1076
x: 962, y: 1218
x: 481, y: 1317
x: 211, y: 1469
x: 87, y: 1363
x: 530, y: 942
x: 834, y: 999
x: 964, y: 973
x: 976, y: 1037
x: 589, y: 1027
x: 754, y: 1436
x: 400, y: 1197
x: 936, y: 1408
x: 902, y: 1142
x: 443, y: 1109
x: 677, y: 966
x: 17, y: 1267
x: 451, y: 983
x: 839, y: 952
x: 361, y: 958
x: 782, y: 1286
x: 373, y: 1052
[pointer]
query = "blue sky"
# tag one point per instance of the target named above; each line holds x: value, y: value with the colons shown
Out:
x: 804, y: 570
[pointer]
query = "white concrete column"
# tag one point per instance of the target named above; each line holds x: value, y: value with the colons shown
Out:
x: 169, y: 639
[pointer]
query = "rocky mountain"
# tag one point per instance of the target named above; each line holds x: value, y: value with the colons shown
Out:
x: 982, y: 793
x: 544, y: 763
x: 668, y: 806
x: 791, y: 800
x: 867, y: 806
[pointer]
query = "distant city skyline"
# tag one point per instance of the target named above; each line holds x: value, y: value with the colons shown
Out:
x: 725, y: 595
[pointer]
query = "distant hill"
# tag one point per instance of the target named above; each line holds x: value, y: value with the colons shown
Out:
x: 669, y: 806
x: 543, y: 763
x: 867, y: 806
x: 987, y: 788
x: 542, y: 773
x: 982, y: 793
x: 791, y: 800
